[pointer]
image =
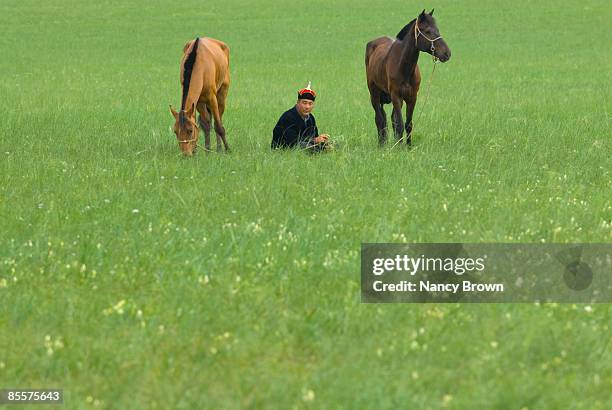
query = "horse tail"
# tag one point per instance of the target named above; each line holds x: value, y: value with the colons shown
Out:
x: 187, y: 70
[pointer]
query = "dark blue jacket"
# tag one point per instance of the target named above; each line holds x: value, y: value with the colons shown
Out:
x: 292, y: 130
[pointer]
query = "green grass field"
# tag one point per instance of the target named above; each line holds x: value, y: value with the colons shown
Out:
x: 135, y: 279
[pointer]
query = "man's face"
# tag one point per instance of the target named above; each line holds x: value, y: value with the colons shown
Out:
x: 304, y: 107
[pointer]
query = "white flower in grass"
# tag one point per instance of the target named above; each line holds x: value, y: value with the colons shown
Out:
x: 117, y: 308
x: 135, y: 211
x: 52, y: 345
x: 308, y: 395
x: 588, y: 309
x: 399, y: 237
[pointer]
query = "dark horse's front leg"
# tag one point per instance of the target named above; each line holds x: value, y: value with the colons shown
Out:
x: 396, y: 117
x: 380, y: 118
x: 410, y: 103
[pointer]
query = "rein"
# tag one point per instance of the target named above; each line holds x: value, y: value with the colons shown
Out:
x: 196, y: 144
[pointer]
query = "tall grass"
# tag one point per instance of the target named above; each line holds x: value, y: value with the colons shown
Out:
x: 134, y: 278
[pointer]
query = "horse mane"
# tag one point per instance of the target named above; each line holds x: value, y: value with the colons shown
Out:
x: 405, y: 30
x: 187, y: 70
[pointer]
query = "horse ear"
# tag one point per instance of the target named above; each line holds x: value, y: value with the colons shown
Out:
x: 431, y: 12
x: 421, y: 15
x: 174, y: 113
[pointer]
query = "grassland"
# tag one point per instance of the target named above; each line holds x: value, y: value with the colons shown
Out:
x: 133, y: 278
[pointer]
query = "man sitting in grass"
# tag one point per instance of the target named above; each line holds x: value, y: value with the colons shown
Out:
x: 297, y: 126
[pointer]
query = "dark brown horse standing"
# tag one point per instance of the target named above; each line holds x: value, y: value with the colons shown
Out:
x: 205, y: 80
x: 393, y: 74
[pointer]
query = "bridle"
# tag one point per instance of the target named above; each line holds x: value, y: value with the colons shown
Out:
x: 192, y: 139
x: 418, y: 32
x: 186, y: 141
x: 182, y: 118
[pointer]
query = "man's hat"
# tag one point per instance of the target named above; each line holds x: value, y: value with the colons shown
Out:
x: 307, y: 93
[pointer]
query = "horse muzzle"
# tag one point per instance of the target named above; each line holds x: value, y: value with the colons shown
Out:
x: 444, y: 57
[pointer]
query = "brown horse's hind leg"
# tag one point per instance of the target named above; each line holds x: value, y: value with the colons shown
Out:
x: 219, y: 129
x: 204, y: 121
x: 380, y: 117
x: 396, y: 117
x: 221, y: 95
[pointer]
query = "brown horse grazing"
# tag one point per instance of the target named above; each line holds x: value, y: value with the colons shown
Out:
x: 393, y: 74
x: 205, y: 80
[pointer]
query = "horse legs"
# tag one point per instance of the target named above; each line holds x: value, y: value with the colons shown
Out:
x: 380, y: 117
x: 219, y: 129
x: 221, y: 95
x: 204, y: 121
x: 396, y: 117
x: 410, y: 104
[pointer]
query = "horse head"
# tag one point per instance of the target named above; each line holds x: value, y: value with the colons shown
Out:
x: 186, y: 130
x: 428, y: 39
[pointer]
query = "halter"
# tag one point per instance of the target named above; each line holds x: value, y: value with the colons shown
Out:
x: 417, y: 32
x: 196, y: 132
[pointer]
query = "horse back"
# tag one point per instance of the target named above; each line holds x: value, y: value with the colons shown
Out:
x: 212, y: 62
x: 217, y: 45
x: 209, y: 49
x: 375, y: 61
x: 377, y: 49
x: 217, y: 61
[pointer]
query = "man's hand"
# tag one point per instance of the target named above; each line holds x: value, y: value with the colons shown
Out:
x: 321, y: 138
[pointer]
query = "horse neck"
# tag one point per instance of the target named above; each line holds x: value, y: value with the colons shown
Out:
x: 409, y: 55
x: 192, y: 98
x: 193, y: 92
